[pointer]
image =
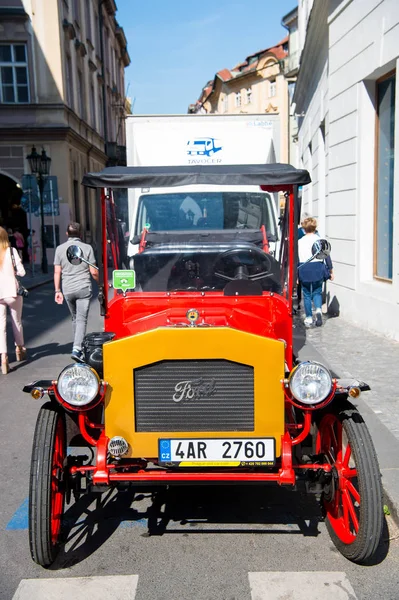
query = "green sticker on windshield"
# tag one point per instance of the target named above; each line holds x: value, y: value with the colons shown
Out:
x: 124, y: 280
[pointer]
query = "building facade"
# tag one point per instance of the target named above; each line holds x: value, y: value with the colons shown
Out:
x: 346, y: 97
x: 256, y: 86
x: 62, y: 90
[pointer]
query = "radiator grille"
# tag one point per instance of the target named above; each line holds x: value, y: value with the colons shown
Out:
x: 194, y: 395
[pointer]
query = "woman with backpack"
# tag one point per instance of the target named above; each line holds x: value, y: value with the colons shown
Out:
x: 10, y: 267
x: 312, y: 274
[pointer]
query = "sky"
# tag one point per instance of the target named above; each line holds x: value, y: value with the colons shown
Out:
x: 176, y: 46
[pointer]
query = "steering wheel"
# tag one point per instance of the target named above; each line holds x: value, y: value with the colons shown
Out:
x: 242, y: 259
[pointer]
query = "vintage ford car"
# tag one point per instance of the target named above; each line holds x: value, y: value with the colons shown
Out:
x: 194, y: 378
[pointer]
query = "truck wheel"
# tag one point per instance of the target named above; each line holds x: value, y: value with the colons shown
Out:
x: 353, y: 500
x: 47, y: 488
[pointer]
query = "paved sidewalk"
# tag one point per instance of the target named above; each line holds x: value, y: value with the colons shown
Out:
x: 31, y: 281
x: 353, y: 352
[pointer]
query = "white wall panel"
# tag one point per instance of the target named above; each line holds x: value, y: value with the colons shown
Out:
x: 343, y: 129
x: 344, y: 276
x: 343, y: 251
x: 343, y: 178
x: 341, y: 203
x: 390, y: 44
x: 390, y: 9
x: 357, y: 69
x: 354, y: 44
x: 342, y: 104
x: 341, y: 228
x: 344, y: 153
x: 353, y: 14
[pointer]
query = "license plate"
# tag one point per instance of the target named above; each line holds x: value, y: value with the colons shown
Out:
x: 226, y: 452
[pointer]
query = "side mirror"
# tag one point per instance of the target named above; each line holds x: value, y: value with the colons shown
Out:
x: 75, y: 256
x: 321, y: 249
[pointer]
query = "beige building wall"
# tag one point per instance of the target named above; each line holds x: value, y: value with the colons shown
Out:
x: 263, y: 89
x: 75, y: 110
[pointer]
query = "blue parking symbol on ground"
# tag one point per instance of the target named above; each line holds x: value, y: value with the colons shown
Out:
x: 165, y: 453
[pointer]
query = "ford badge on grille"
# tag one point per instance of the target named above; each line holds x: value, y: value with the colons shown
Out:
x: 196, y: 388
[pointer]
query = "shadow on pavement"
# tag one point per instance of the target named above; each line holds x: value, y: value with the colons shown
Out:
x: 38, y: 352
x: 300, y: 341
x: 90, y: 522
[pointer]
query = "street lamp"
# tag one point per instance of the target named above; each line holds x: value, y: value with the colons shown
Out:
x: 40, y: 166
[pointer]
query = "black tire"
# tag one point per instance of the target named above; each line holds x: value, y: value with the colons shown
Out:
x: 354, y: 513
x: 46, y: 486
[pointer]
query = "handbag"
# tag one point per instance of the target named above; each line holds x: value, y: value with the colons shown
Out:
x: 21, y: 290
x: 326, y: 272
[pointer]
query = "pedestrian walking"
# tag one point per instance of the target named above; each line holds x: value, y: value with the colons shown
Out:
x: 301, y: 234
x: 11, y: 238
x: 10, y: 266
x: 76, y: 285
x: 33, y: 244
x: 20, y: 241
x: 312, y: 274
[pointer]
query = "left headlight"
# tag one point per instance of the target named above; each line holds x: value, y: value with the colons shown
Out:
x: 78, y: 385
x: 310, y: 383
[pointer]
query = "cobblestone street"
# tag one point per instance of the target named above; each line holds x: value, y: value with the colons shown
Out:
x: 354, y: 352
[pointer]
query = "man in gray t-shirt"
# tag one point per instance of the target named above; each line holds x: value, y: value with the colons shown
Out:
x: 76, y: 285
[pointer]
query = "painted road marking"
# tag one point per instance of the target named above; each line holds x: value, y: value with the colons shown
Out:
x: 306, y: 585
x: 115, y: 587
x: 19, y: 520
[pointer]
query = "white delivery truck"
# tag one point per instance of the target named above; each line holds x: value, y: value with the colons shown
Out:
x: 175, y: 140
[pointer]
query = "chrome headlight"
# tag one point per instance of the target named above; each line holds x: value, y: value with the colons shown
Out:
x: 310, y: 383
x: 78, y: 385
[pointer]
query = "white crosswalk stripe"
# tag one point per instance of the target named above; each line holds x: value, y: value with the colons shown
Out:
x: 306, y: 585
x: 268, y: 585
x: 115, y: 587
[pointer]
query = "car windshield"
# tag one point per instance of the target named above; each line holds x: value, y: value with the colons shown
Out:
x: 234, y: 267
x: 195, y: 211
x: 205, y: 241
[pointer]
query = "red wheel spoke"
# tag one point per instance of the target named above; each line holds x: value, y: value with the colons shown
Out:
x: 57, y: 500
x: 347, y: 456
x: 350, y: 473
x: 346, y: 513
x: 346, y: 499
x: 333, y: 438
x: 351, y: 488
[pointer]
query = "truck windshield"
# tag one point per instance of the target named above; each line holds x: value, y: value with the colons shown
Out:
x: 206, y: 210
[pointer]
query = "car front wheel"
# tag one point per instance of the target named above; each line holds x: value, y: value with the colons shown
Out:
x: 47, y: 486
x: 353, y: 499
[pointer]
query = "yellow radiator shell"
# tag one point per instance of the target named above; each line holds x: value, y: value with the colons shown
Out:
x: 122, y: 356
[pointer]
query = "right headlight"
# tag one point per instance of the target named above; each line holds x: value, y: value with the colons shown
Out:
x: 78, y: 385
x: 310, y: 383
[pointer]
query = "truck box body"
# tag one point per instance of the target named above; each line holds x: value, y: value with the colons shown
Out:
x: 197, y: 139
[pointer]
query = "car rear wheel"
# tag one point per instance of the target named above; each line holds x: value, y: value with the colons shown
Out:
x: 353, y: 500
x: 47, y: 486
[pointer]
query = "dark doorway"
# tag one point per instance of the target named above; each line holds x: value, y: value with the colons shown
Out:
x: 11, y: 213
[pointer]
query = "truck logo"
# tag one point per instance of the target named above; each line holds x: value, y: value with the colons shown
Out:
x: 205, y: 146
x: 194, y: 388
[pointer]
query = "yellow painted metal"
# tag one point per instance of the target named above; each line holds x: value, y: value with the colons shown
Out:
x: 122, y: 356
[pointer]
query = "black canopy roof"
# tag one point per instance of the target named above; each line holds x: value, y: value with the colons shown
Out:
x: 148, y: 177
